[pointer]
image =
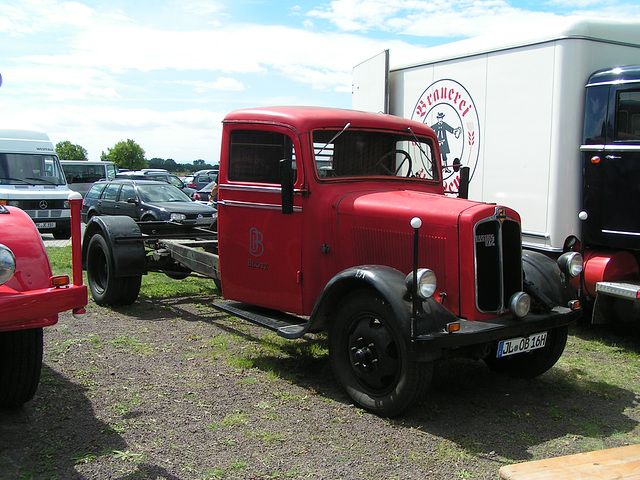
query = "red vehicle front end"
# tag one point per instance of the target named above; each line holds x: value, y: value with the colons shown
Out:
x: 31, y: 298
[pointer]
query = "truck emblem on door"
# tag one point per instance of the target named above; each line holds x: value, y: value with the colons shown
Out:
x: 447, y: 107
x: 255, y: 242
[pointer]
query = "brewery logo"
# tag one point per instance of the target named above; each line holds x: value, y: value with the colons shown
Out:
x: 447, y: 107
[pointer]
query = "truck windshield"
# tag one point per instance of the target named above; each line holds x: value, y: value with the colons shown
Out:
x: 27, y: 169
x: 364, y: 153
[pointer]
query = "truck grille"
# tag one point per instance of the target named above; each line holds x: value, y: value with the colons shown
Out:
x: 498, y: 262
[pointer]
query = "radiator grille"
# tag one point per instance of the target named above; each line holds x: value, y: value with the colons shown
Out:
x: 498, y: 262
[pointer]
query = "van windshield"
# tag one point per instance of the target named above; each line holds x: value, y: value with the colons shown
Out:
x: 28, y: 169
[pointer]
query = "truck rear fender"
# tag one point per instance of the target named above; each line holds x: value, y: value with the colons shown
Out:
x: 387, y: 281
x: 120, y: 233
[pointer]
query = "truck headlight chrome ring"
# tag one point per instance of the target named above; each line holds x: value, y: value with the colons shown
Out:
x: 7, y: 264
x: 570, y: 264
x: 519, y: 304
x: 427, y: 283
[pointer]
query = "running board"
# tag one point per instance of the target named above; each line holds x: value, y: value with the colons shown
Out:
x: 286, y: 325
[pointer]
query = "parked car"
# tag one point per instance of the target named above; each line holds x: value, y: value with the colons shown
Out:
x: 200, y: 181
x: 145, y: 201
x: 203, y: 195
x: 209, y: 171
x: 156, y: 174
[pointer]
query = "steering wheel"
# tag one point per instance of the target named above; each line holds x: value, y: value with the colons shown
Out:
x: 407, y: 158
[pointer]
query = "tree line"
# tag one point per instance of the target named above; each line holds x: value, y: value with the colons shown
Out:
x: 128, y: 155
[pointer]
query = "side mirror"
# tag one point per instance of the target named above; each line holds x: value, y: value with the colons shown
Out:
x: 463, y: 189
x: 132, y: 200
x: 286, y: 185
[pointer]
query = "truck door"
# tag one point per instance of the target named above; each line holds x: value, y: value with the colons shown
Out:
x: 260, y: 246
x: 612, y: 172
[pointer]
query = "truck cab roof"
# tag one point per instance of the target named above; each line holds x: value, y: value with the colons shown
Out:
x: 305, y: 119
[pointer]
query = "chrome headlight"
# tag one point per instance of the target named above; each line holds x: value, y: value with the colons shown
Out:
x: 7, y: 264
x: 178, y: 217
x: 570, y: 264
x: 519, y: 304
x: 426, y: 283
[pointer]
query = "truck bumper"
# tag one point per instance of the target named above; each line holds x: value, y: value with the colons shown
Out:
x: 38, y: 308
x: 476, y: 333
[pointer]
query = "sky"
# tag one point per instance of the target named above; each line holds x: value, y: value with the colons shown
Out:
x: 164, y: 73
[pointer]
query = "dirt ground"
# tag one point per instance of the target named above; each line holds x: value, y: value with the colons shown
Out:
x: 172, y: 390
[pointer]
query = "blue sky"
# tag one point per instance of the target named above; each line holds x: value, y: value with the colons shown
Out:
x: 165, y: 72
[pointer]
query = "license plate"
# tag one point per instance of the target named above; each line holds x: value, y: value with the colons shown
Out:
x: 204, y: 221
x: 521, y: 344
x: 43, y: 225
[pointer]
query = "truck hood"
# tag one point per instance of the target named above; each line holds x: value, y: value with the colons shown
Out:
x: 373, y: 228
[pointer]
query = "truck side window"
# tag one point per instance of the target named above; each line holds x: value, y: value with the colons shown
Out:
x: 254, y: 155
x: 595, y: 115
x: 628, y: 116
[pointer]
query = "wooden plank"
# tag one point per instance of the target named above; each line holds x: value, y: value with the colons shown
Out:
x: 610, y: 464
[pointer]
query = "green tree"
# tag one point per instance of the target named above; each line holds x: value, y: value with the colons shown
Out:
x: 69, y: 151
x: 170, y: 164
x: 156, y: 162
x: 126, y: 155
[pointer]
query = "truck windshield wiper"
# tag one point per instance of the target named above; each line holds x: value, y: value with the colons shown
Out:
x: 424, y: 154
x: 334, y: 137
x: 15, y: 180
x: 42, y: 180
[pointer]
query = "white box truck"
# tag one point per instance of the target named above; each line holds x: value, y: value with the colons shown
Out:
x: 32, y: 179
x: 549, y: 124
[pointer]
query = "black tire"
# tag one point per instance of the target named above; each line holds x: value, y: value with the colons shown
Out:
x: 533, y: 363
x: 371, y: 359
x: 62, y: 234
x: 105, y: 288
x: 20, y: 366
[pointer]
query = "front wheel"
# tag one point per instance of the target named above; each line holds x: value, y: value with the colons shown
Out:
x: 371, y: 359
x: 105, y: 288
x: 20, y: 366
x: 533, y: 363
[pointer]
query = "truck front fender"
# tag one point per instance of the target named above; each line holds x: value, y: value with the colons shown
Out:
x: 125, y: 242
x: 389, y: 282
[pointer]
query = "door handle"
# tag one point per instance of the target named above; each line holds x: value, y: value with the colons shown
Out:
x: 612, y: 157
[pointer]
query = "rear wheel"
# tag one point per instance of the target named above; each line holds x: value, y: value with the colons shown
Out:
x: 105, y: 288
x: 370, y: 358
x: 20, y: 366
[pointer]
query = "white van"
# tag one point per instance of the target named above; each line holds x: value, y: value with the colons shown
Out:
x: 32, y: 179
x: 80, y: 174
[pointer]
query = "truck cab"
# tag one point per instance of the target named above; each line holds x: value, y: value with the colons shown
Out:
x: 32, y: 179
x: 611, y: 188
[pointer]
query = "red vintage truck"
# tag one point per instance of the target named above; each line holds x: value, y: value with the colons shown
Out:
x: 30, y: 299
x: 337, y: 220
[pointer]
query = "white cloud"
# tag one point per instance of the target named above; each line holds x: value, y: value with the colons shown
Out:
x: 221, y: 84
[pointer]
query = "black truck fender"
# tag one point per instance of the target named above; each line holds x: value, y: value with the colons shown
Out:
x: 387, y: 281
x: 544, y: 282
x: 124, y: 238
